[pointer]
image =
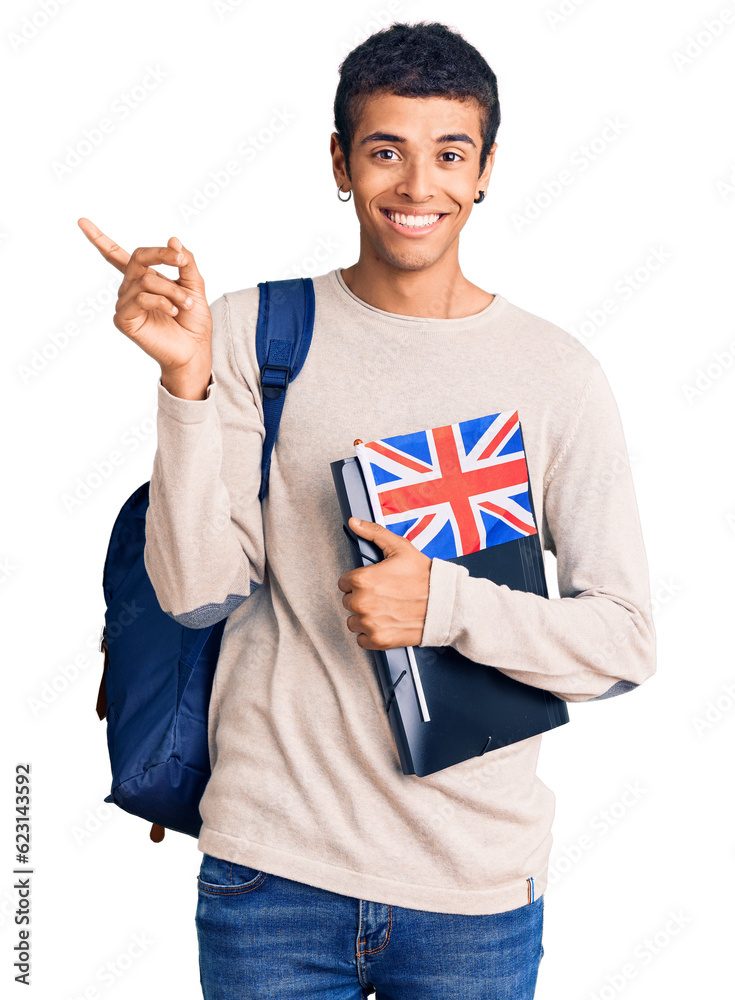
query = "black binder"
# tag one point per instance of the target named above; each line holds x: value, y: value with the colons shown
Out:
x: 443, y: 707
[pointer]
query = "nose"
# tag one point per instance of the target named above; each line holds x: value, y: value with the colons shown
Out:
x: 415, y: 183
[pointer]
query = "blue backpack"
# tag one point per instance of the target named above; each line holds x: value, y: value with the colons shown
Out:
x: 157, y: 674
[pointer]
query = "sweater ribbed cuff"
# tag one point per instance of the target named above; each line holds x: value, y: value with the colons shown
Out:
x: 186, y: 411
x: 443, y: 582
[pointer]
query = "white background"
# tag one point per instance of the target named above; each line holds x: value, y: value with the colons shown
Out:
x: 666, y: 183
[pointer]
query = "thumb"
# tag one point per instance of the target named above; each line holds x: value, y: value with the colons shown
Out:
x: 383, y: 537
x: 189, y: 275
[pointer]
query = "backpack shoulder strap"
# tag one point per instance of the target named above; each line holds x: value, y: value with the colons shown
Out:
x: 283, y: 337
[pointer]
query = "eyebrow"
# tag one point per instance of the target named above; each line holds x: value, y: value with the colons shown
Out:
x: 389, y: 137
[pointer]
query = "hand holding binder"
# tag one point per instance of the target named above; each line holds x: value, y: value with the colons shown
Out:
x: 459, y: 492
x: 411, y: 585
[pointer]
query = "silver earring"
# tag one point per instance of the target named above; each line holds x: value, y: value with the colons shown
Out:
x: 481, y: 198
x: 349, y: 194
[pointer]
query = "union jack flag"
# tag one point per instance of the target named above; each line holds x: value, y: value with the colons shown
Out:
x: 452, y: 490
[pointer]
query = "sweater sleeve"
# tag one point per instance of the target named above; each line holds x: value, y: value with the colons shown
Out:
x: 597, y: 639
x: 204, y: 549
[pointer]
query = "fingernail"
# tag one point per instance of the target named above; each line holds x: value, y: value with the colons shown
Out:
x: 180, y: 259
x: 188, y: 302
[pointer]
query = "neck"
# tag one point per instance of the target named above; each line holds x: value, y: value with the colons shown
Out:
x: 439, y: 291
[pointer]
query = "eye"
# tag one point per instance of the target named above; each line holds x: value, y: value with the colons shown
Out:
x: 451, y: 152
x: 379, y: 151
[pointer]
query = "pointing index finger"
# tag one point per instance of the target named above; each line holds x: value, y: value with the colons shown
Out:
x: 110, y: 251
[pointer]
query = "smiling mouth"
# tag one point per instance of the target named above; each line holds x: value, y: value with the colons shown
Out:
x: 414, y: 223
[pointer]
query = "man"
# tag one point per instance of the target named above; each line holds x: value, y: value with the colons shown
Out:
x: 326, y: 871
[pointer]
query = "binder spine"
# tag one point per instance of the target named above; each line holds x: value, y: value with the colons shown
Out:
x: 354, y: 503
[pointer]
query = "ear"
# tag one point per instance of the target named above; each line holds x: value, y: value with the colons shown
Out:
x: 339, y: 166
x: 484, y: 178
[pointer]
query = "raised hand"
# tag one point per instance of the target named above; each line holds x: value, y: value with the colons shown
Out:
x: 170, y: 320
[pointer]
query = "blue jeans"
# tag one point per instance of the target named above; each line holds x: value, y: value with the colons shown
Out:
x: 264, y: 936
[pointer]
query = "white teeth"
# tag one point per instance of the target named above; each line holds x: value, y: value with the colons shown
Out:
x: 412, y: 221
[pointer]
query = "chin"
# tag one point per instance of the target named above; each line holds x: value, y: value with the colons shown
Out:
x: 408, y: 259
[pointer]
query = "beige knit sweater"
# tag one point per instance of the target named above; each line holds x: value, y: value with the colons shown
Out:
x: 306, y: 781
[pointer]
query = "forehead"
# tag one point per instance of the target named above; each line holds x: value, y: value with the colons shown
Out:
x: 419, y: 119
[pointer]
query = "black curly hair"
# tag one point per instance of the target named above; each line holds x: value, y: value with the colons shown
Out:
x: 425, y: 59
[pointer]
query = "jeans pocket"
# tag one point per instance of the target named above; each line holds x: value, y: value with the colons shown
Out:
x: 225, y: 878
